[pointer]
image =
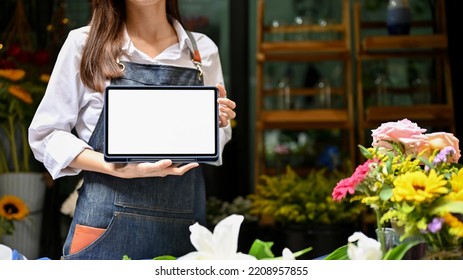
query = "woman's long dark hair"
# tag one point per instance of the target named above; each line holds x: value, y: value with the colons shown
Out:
x: 104, y: 42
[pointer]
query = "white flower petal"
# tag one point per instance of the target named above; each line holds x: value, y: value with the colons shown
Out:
x: 287, y: 254
x: 201, y: 238
x: 190, y: 256
x: 222, y: 244
x: 241, y: 256
x: 355, y: 236
x: 226, y: 234
x: 6, y: 253
x: 366, y: 248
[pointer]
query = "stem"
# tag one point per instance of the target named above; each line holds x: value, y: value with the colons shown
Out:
x: 382, y: 239
x: 3, y: 160
x: 25, y: 148
x: 14, y: 152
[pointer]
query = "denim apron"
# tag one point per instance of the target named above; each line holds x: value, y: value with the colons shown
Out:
x: 143, y: 217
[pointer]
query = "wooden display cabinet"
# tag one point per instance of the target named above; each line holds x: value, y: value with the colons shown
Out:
x: 336, y: 49
x: 427, y: 46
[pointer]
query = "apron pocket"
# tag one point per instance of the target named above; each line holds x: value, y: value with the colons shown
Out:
x: 84, y: 236
x: 138, y: 237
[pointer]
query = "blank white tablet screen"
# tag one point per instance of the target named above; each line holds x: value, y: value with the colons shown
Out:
x: 161, y: 121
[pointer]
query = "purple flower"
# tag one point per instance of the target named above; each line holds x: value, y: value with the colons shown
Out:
x: 435, y: 225
x: 443, y: 155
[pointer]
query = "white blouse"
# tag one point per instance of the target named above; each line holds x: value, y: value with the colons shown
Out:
x: 69, y: 104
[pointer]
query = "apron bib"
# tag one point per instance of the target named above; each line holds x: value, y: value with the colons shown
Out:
x: 143, y: 217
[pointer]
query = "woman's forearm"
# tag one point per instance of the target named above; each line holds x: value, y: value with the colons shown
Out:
x: 90, y: 160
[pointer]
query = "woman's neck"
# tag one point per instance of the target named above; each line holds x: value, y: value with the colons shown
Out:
x: 149, y: 29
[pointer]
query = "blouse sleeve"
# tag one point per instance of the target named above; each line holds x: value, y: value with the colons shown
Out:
x: 50, y: 132
x: 213, y: 75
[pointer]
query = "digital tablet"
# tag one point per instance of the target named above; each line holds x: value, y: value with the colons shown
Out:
x: 150, y: 123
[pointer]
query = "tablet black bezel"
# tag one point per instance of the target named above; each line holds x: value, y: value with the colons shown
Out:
x: 178, y: 158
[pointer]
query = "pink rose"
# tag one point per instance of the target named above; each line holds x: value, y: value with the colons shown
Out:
x: 440, y: 140
x: 404, y: 131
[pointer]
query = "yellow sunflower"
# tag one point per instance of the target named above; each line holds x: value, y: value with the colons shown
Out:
x: 457, y: 181
x: 417, y: 186
x: 13, y: 208
x: 456, y: 226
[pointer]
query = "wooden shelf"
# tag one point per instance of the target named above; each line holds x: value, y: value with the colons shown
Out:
x: 315, y: 118
x: 312, y: 28
x: 404, y: 42
x: 305, y: 46
x: 304, y: 91
x: 422, y: 113
x: 284, y: 54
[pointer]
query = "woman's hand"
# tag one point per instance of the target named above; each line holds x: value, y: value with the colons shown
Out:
x: 226, y: 107
x: 94, y: 161
x: 160, y: 168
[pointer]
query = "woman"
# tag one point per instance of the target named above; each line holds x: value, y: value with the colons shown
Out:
x: 140, y: 210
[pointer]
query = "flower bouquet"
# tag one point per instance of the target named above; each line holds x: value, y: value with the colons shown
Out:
x: 413, y: 182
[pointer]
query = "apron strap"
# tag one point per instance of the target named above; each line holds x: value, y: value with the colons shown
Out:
x: 196, y: 56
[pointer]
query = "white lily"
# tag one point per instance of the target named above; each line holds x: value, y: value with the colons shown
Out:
x: 287, y: 255
x: 220, y: 245
x: 5, y: 252
x: 362, y: 247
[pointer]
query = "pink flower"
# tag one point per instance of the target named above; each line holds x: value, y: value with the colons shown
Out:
x: 348, y: 185
x: 404, y: 131
x: 440, y: 140
x: 342, y: 188
x: 281, y: 150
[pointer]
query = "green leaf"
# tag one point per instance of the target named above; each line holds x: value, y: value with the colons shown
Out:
x: 338, y: 254
x: 389, y: 163
x: 426, y: 162
x: 165, y: 257
x: 365, y: 152
x: 296, y: 254
x: 407, y: 208
x: 449, y: 206
x: 261, y: 249
x: 398, y: 252
x: 302, y: 252
x: 386, y: 192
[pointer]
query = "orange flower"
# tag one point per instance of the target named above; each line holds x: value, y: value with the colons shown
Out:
x: 12, y: 74
x: 45, y: 78
x: 13, y: 208
x: 20, y: 93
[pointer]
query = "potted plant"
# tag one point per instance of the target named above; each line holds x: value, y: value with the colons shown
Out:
x: 218, y: 209
x: 23, y: 80
x: 303, y: 211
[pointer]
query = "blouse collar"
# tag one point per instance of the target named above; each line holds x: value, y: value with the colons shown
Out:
x: 183, y: 39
